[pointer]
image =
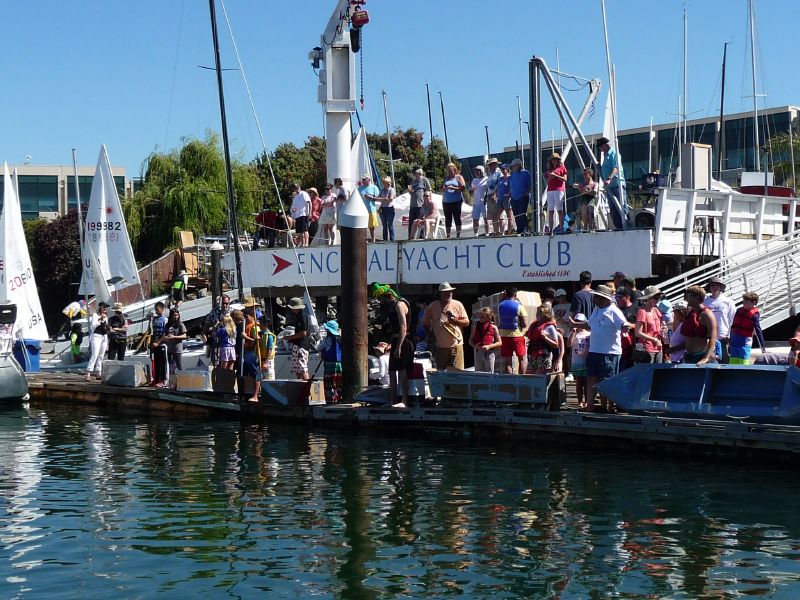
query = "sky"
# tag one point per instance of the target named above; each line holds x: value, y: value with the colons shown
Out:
x: 128, y: 74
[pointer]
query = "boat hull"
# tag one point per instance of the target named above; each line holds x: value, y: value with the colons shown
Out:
x: 755, y: 393
x: 13, y: 384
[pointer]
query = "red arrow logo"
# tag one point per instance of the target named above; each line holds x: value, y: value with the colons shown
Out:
x: 280, y: 264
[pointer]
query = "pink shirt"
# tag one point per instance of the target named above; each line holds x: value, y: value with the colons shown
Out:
x: 651, y: 326
x: 557, y: 185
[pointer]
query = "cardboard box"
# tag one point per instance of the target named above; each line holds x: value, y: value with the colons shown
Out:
x: 124, y: 373
x: 194, y: 380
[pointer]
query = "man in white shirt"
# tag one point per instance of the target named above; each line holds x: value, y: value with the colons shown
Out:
x: 724, y: 310
x: 605, y: 344
x: 301, y: 210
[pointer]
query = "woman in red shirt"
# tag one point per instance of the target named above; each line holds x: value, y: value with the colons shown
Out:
x: 648, y: 333
x: 556, y: 189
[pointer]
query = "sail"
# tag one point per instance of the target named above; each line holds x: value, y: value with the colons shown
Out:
x: 17, y: 283
x: 359, y: 156
x: 107, y: 234
x: 102, y: 293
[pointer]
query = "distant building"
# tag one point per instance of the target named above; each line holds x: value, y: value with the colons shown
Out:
x: 49, y: 191
x: 644, y: 151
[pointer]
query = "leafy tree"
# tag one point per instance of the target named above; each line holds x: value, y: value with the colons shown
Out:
x: 781, y: 147
x: 184, y: 190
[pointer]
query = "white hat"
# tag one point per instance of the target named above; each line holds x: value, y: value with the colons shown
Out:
x: 580, y: 318
x: 446, y: 287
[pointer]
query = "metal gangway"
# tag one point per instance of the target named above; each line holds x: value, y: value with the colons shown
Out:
x: 770, y: 268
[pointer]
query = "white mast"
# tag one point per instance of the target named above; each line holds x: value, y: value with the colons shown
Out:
x: 756, y: 144
x: 685, y: 74
x: 388, y: 138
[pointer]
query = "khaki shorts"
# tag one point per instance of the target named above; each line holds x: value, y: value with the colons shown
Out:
x: 449, y: 357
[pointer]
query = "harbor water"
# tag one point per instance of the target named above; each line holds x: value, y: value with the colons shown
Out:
x: 106, y: 505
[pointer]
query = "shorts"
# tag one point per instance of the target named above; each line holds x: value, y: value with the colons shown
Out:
x: 268, y: 370
x: 227, y: 354
x: 250, y: 366
x: 406, y: 360
x: 373, y: 220
x: 301, y: 224
x: 541, y: 361
x: 555, y: 200
x: 328, y: 217
x: 602, y: 366
x: 511, y: 346
x: 299, y: 360
x: 479, y: 210
x: 449, y: 357
x: 578, y: 373
x: 504, y: 203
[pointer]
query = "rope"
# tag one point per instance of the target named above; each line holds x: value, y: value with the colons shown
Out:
x: 361, y: 64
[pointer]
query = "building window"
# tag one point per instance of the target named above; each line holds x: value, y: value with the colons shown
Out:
x: 85, y: 183
x: 37, y: 194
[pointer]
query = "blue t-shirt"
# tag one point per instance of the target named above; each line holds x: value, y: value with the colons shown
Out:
x: 503, y: 188
x: 371, y: 190
x: 609, y: 163
x: 520, y: 184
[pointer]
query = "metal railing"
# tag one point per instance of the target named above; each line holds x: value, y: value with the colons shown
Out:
x: 771, y: 269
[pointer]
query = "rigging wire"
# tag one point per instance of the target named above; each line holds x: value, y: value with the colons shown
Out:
x: 174, y: 71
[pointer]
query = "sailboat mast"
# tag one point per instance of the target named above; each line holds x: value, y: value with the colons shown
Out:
x: 721, y: 135
x: 228, y: 174
x: 444, y: 126
x: 685, y: 75
x: 521, y: 137
x: 388, y: 138
x: 756, y: 142
x: 80, y: 237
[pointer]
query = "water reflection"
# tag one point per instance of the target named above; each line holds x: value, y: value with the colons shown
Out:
x: 136, y: 506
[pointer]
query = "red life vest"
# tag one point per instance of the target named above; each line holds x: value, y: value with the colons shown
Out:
x: 693, y: 327
x: 743, y: 323
x: 537, y: 345
x: 484, y: 334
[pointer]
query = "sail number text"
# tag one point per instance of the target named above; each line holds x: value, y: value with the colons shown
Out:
x: 104, y: 226
x: 20, y: 280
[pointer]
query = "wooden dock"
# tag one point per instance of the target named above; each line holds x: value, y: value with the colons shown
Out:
x: 728, y: 439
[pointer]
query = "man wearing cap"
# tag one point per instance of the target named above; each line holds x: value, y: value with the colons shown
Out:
x: 419, y: 186
x: 297, y: 341
x: 117, y: 334
x: 520, y: 187
x: 512, y: 323
x: 370, y: 194
x: 724, y: 310
x: 446, y: 317
x: 605, y: 345
x: 614, y: 180
x: 618, y: 279
x: 179, y: 287
x: 556, y: 189
x: 300, y: 211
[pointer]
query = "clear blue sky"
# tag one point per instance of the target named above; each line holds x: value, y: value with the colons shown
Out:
x: 126, y: 74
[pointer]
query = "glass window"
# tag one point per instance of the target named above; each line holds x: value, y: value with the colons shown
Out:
x: 37, y: 193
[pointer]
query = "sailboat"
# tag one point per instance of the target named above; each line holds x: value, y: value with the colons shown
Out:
x: 21, y: 315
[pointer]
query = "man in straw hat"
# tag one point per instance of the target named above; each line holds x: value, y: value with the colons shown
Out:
x: 117, y: 334
x: 605, y: 345
x: 446, y: 317
x: 297, y: 341
x: 724, y: 310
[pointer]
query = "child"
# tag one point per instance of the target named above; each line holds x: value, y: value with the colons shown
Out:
x: 226, y: 342
x: 332, y: 356
x: 746, y: 322
x: 267, y: 342
x: 579, y: 342
x: 382, y: 352
x: 75, y: 340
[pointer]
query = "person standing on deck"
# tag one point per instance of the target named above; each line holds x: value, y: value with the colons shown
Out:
x: 327, y: 219
x: 251, y: 362
x: 699, y: 329
x: 453, y: 199
x: 614, y: 180
x: 724, y: 310
x: 493, y: 175
x: 267, y: 349
x: 173, y: 337
x: 512, y: 323
x: 211, y: 324
x: 370, y: 194
x: 503, y: 195
x: 446, y: 317
x: 401, y: 356
x: 300, y: 212
x: 556, y: 189
x: 745, y: 326
x: 387, y: 196
x: 479, y: 187
x: 582, y: 300
x: 331, y: 351
x: 314, y: 215
x: 297, y: 341
x: 158, y: 352
x: 417, y: 190
x: 98, y: 342
x: 117, y: 334
x: 485, y: 340
x: 520, y: 187
x: 179, y: 285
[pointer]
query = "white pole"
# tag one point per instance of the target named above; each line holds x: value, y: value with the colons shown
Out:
x: 791, y: 150
x: 650, y: 147
x: 81, y: 238
x: 521, y: 137
x: 753, y: 70
x: 388, y: 138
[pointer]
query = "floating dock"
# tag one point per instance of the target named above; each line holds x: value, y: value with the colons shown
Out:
x: 735, y: 439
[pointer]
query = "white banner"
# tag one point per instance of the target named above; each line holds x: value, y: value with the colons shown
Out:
x: 17, y: 283
x: 105, y: 230
x: 519, y: 260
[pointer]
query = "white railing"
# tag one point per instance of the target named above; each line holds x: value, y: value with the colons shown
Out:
x: 692, y: 222
x: 771, y: 269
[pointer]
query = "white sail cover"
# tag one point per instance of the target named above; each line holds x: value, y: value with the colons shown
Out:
x: 359, y: 157
x: 107, y: 234
x: 17, y: 283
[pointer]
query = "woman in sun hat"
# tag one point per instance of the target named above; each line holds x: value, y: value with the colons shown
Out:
x: 649, y: 336
x: 331, y: 352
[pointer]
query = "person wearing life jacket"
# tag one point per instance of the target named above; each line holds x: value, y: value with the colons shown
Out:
x: 699, y: 329
x: 542, y: 338
x: 179, y: 287
x: 251, y: 364
x: 511, y: 321
x: 746, y: 324
x: 268, y: 345
x: 331, y: 352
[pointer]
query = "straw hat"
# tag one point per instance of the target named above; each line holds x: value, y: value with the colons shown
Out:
x: 296, y: 304
x: 649, y: 292
x: 118, y: 306
x: 716, y: 280
x: 446, y: 287
x: 604, y: 291
x: 250, y: 302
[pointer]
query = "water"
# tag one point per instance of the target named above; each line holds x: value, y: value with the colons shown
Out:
x: 98, y: 505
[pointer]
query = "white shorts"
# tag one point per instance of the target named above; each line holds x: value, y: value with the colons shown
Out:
x: 479, y: 210
x: 555, y: 200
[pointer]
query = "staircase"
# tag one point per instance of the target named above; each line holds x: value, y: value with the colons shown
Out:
x: 771, y: 269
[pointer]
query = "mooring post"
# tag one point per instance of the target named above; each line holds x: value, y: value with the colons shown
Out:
x: 353, y: 320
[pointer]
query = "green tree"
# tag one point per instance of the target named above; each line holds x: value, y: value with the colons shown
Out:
x: 781, y: 147
x: 184, y: 190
